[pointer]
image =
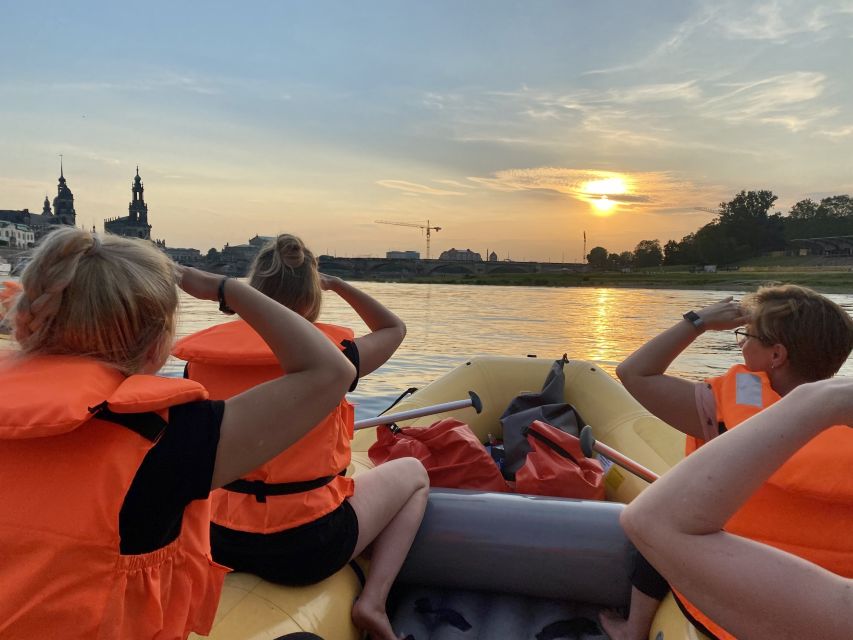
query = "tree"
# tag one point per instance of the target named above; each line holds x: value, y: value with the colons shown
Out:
x: 746, y: 220
x: 648, y: 254
x: 597, y: 258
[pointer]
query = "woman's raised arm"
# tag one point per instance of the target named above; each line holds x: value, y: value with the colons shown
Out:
x: 670, y: 398
x: 386, y: 329
x: 263, y: 421
x: 751, y: 589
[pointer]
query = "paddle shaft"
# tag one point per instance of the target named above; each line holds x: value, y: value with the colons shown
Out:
x: 472, y: 401
x: 626, y: 463
x: 589, y: 443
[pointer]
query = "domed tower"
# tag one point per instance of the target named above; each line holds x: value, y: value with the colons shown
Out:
x: 45, y: 209
x: 63, y: 203
x: 137, y: 208
x: 135, y: 223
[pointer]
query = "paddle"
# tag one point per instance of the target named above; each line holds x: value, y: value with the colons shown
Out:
x: 472, y: 401
x: 589, y: 443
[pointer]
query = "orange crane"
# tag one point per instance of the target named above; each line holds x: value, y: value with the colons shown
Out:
x: 426, y: 226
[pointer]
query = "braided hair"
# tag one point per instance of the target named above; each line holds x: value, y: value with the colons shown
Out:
x: 109, y: 298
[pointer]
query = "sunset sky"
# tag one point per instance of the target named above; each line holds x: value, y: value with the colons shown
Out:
x: 514, y: 126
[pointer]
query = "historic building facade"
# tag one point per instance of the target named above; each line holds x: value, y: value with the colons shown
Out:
x: 63, y: 212
x: 135, y: 224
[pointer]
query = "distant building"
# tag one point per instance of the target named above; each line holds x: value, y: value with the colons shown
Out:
x: 261, y: 241
x: 63, y: 212
x: 493, y: 257
x: 462, y: 255
x: 402, y: 255
x: 16, y: 235
x: 135, y: 224
x: 184, y: 256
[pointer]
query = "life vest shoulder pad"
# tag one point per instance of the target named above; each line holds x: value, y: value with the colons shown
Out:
x: 71, y: 388
x: 236, y: 343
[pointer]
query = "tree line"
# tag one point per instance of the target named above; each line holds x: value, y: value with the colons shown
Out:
x: 744, y: 228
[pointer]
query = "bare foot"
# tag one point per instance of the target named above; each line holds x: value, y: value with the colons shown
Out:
x: 373, y: 620
x: 615, y: 626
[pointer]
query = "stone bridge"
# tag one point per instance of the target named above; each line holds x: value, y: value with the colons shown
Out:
x: 378, y: 268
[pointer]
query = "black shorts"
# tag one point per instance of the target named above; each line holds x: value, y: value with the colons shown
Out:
x: 303, y: 555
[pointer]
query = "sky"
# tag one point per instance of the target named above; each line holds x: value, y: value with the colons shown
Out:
x: 514, y: 126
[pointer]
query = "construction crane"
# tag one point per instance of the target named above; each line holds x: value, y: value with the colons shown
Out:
x: 707, y: 210
x: 426, y: 226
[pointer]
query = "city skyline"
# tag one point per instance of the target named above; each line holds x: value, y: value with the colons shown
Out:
x: 513, y: 126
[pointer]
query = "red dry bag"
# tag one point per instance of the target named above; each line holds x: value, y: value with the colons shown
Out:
x: 556, y: 466
x: 451, y: 453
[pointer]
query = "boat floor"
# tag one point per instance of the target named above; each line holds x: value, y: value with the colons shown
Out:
x: 428, y: 613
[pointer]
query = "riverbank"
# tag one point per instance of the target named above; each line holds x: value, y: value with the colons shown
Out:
x: 834, y: 280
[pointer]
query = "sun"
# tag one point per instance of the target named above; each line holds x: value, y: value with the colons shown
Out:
x: 603, y: 204
x: 599, y: 193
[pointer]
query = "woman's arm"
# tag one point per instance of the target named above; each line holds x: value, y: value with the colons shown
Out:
x: 751, y: 589
x: 386, y: 329
x: 673, y: 399
x: 264, y: 420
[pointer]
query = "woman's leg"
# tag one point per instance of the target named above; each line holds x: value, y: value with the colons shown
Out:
x: 648, y: 588
x: 389, y: 502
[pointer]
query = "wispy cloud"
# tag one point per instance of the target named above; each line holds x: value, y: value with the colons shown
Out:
x: 668, y: 46
x: 841, y: 132
x: 779, y: 99
x: 779, y: 20
x: 416, y: 189
x: 645, y: 190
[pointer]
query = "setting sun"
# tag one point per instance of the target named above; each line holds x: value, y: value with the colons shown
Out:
x: 599, y: 193
x: 603, y: 204
x: 605, y: 187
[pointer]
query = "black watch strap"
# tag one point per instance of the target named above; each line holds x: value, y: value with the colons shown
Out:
x: 220, y: 293
x: 693, y: 318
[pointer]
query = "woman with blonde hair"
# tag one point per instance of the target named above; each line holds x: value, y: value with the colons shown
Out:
x: 792, y: 336
x: 105, y: 469
x: 298, y: 519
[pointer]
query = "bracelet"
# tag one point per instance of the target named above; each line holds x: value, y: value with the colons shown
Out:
x: 223, y: 306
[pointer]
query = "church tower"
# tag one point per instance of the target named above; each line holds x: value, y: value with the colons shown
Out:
x: 45, y: 210
x: 63, y: 203
x: 135, y: 224
x: 137, y: 209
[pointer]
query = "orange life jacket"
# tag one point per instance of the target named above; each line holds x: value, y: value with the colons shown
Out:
x: 66, y: 464
x: 806, y: 507
x: 302, y: 483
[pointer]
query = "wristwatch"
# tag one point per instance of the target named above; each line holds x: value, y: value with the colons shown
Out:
x: 693, y: 318
x: 220, y: 293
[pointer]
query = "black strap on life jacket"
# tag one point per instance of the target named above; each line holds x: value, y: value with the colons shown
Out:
x: 692, y: 619
x: 148, y: 424
x: 541, y: 437
x: 261, y: 489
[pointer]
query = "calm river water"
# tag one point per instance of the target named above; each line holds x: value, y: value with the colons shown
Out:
x: 449, y: 323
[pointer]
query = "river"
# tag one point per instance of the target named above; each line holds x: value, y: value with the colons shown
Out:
x: 447, y: 324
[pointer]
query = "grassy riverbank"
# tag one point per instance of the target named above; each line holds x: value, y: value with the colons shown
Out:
x: 747, y: 278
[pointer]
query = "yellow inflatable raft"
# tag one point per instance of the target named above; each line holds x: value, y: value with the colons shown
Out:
x: 252, y: 609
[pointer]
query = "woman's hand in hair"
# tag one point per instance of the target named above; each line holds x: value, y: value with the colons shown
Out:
x: 723, y: 315
x: 199, y: 284
x: 329, y: 283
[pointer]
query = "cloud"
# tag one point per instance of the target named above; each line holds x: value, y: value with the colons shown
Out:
x: 776, y: 100
x: 411, y: 188
x: 682, y: 33
x: 841, y: 132
x: 637, y: 191
x: 780, y: 20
